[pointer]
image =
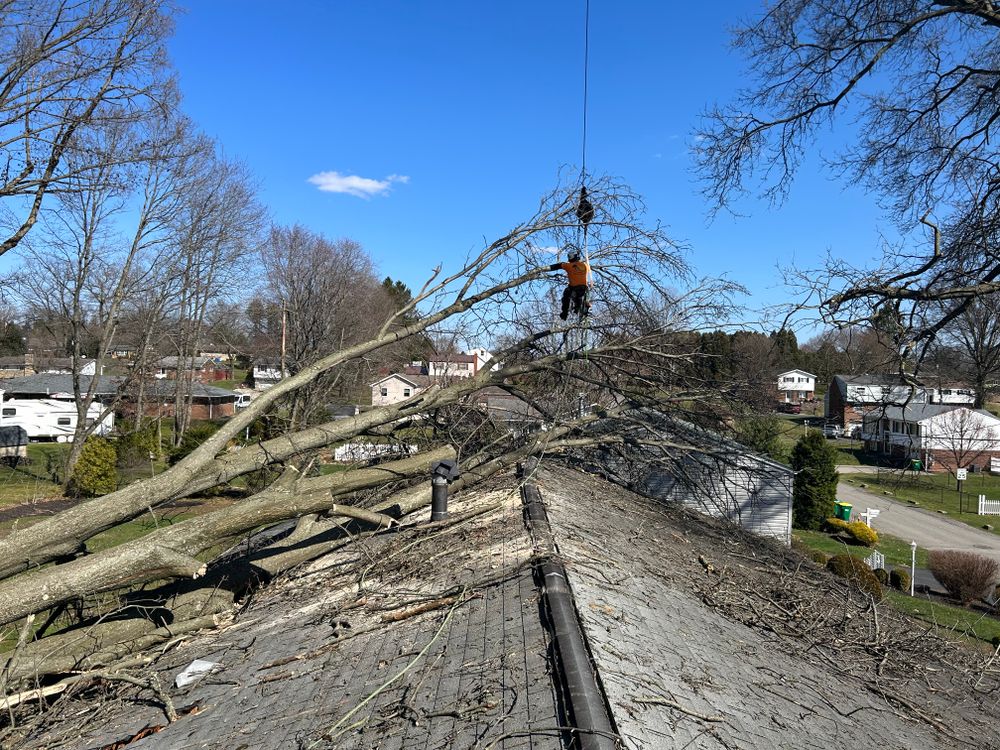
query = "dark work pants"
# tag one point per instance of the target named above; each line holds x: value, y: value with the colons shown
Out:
x: 578, y: 296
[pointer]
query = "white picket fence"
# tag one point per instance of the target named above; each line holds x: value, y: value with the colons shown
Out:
x: 876, y: 560
x: 988, y: 507
x: 352, y: 452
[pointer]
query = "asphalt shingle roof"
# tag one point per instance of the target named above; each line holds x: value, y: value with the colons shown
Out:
x: 45, y: 384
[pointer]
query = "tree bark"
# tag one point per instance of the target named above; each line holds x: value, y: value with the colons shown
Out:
x: 169, y: 552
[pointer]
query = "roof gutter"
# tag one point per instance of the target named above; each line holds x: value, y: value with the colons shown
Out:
x: 593, y: 725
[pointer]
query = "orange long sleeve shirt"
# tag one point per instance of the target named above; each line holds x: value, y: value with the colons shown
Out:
x: 577, y: 272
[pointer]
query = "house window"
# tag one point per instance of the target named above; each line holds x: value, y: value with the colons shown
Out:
x: 385, y: 391
x: 406, y: 392
x: 9, y: 412
x: 463, y: 365
x: 63, y: 421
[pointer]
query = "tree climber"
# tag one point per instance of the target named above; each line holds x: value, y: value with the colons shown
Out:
x: 578, y: 272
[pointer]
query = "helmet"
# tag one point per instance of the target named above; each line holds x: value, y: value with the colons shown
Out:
x: 574, y: 256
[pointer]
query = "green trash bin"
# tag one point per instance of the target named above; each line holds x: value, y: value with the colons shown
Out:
x: 844, y: 511
x: 916, y: 464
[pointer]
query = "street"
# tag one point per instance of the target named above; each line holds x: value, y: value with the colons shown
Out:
x: 928, y: 529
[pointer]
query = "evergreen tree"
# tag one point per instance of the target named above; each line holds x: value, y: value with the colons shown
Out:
x: 815, y: 487
x: 762, y: 435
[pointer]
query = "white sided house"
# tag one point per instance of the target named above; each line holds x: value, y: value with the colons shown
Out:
x: 48, y: 419
x: 446, y: 366
x: 850, y: 397
x: 940, y: 436
x: 719, y: 477
x: 795, y: 386
x: 396, y: 387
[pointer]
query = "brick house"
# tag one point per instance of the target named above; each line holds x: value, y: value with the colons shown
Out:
x: 850, y: 397
x: 941, y: 436
x: 201, y: 369
x: 207, y: 402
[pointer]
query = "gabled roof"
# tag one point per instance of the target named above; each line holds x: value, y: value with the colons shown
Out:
x: 788, y: 372
x: 453, y: 358
x: 922, y: 412
x: 45, y: 384
x: 417, y: 381
x: 453, y: 650
x: 175, y: 361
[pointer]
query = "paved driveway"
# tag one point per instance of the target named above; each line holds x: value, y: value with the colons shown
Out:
x: 928, y: 529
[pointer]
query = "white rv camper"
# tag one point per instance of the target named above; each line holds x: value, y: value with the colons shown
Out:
x: 47, y: 419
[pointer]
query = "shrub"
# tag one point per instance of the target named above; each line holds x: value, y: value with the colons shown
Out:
x: 899, y: 579
x: 965, y: 575
x: 134, y: 447
x: 762, y: 434
x: 862, y: 534
x: 820, y: 558
x: 857, y: 572
x: 95, y: 472
x: 835, y: 525
x: 883, y: 576
x: 814, y: 488
x: 194, y: 436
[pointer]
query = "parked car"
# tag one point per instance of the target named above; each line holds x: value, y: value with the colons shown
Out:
x: 790, y: 408
x: 833, y: 431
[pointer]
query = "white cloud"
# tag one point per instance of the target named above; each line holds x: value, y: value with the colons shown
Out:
x: 362, y: 187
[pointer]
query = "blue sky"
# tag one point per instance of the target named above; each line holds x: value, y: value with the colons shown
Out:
x: 434, y: 125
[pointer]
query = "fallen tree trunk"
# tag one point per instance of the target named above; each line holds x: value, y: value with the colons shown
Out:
x: 71, y: 650
x: 169, y: 552
x: 313, y: 537
x: 64, y: 533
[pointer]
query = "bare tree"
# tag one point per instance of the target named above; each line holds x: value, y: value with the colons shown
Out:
x: 914, y: 76
x: 975, y: 337
x: 67, y: 67
x: 217, y: 228
x: 330, y: 297
x: 575, y: 378
x: 962, y: 438
x: 106, y: 241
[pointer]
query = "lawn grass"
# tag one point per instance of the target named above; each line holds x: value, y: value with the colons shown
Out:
x: 946, y: 616
x: 896, y: 550
x: 156, y: 519
x: 237, y: 380
x: 35, y: 479
x: 935, y: 492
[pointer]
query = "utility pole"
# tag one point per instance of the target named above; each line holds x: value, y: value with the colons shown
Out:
x: 283, y: 337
